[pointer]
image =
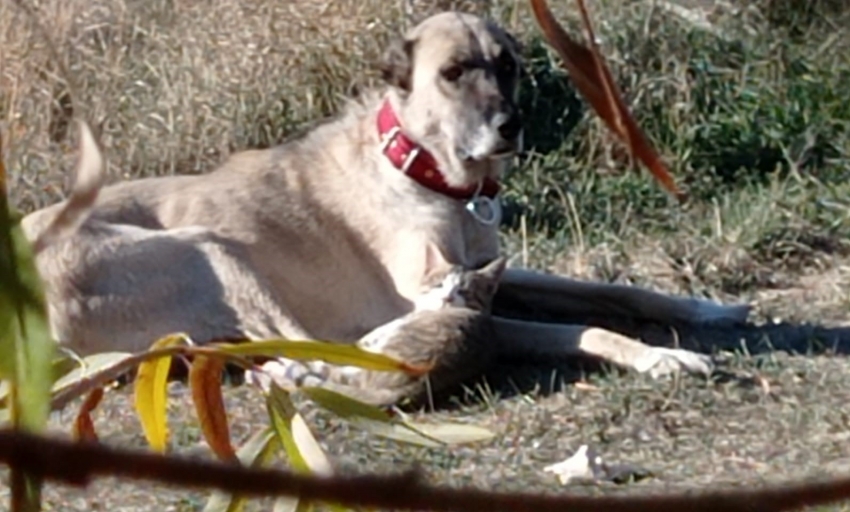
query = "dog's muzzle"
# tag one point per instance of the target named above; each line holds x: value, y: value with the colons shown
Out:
x: 509, y: 127
x: 500, y: 137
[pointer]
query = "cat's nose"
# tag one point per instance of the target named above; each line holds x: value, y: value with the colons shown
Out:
x: 454, y: 300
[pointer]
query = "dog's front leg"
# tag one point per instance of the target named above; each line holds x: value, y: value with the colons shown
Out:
x: 561, y: 296
x: 518, y: 338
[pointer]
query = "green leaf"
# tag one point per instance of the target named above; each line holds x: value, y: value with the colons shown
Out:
x: 305, y: 453
x: 345, y: 406
x: 369, y: 417
x: 26, y: 344
x: 334, y: 353
x: 90, y: 367
x: 365, y: 416
x: 100, y: 369
x: 69, y: 370
x: 256, y: 452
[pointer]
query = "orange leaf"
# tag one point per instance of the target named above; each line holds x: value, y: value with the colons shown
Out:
x: 205, y: 382
x: 594, y: 81
x: 83, y: 424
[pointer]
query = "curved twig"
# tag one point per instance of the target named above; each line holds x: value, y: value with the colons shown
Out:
x: 594, y: 81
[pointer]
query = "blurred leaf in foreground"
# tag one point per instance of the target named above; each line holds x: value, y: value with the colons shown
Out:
x: 256, y: 452
x: 304, y: 452
x: 26, y: 345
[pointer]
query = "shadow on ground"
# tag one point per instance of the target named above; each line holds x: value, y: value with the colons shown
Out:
x: 508, y: 378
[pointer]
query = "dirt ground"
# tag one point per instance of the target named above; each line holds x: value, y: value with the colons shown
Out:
x: 768, y: 415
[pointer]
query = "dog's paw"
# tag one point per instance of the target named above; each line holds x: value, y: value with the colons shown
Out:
x: 660, y: 361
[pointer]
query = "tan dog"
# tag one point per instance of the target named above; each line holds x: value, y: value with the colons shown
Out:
x: 324, y: 236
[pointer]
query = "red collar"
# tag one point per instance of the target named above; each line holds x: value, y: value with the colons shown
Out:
x: 420, y: 165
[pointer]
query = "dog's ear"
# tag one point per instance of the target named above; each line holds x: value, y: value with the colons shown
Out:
x: 435, y: 260
x: 516, y: 46
x: 397, y: 67
x: 518, y: 49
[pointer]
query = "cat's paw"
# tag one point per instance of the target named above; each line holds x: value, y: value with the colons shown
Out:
x: 660, y: 361
x: 377, y: 339
x: 286, y: 373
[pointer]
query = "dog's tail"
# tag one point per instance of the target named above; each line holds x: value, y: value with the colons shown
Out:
x: 89, y: 178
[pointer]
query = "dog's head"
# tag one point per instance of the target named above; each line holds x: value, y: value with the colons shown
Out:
x: 454, y: 80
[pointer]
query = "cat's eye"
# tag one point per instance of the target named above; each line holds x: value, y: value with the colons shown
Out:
x: 452, y: 73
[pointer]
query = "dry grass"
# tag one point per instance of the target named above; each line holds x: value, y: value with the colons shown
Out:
x: 752, y: 114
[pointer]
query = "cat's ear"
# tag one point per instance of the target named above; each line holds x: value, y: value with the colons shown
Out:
x: 494, y: 269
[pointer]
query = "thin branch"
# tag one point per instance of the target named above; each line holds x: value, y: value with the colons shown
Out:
x: 78, y: 463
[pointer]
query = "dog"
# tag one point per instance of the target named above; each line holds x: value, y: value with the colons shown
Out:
x: 323, y: 237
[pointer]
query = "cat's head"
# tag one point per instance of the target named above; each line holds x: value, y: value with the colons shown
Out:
x: 445, y: 284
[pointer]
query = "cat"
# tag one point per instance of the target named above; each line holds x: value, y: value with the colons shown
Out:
x: 448, y: 329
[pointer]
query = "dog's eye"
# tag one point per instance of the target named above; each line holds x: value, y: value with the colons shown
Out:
x: 452, y: 73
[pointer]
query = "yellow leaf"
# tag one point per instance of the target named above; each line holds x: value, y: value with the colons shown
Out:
x: 256, y: 452
x: 83, y: 424
x: 150, y: 393
x: 205, y: 383
x: 334, y: 353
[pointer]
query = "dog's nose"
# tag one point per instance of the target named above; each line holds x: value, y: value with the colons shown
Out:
x: 509, y: 130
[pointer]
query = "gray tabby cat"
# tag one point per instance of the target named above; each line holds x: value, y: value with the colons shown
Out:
x: 449, y: 328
